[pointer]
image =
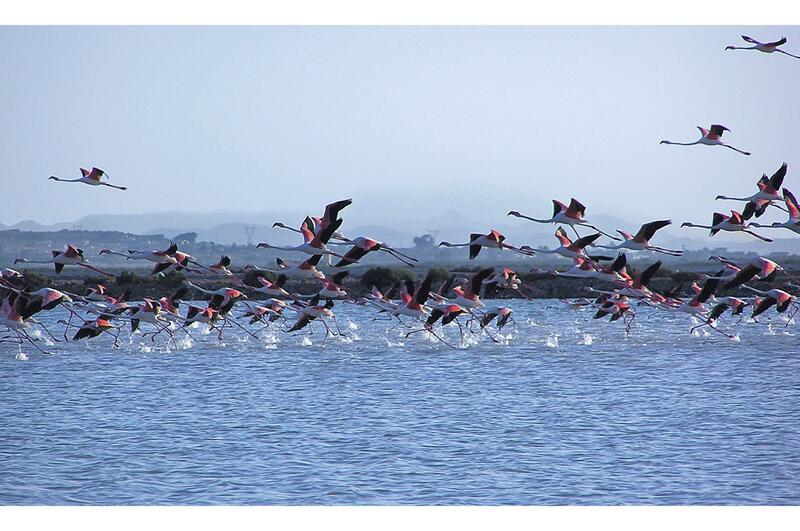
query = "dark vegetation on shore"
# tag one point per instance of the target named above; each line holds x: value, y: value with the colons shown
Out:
x: 357, y: 283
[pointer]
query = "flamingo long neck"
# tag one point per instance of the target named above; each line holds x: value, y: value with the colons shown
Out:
x: 735, y: 198
x: 681, y: 143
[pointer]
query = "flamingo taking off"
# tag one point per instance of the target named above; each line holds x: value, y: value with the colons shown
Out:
x: 766, y: 47
x: 711, y: 137
x: 92, y: 178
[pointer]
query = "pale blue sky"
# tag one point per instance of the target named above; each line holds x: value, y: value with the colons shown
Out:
x: 410, y: 122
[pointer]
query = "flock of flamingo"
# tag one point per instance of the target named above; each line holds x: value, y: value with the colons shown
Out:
x: 419, y: 307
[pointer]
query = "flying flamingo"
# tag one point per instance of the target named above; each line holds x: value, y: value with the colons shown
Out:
x: 772, y: 297
x: 568, y: 248
x: 492, y: 240
x: 468, y: 298
x: 312, y: 244
x: 766, y: 47
x: 503, y: 313
x: 793, y: 223
x: 92, y: 178
x: 272, y: 309
x: 306, y: 269
x: 71, y: 256
x: 566, y: 215
x: 273, y: 289
x: 768, y: 191
x: 330, y: 215
x: 760, y: 268
x: 641, y: 241
x: 732, y: 223
x: 162, y: 259
x: 362, y: 246
x: 696, y: 306
x: 710, y: 138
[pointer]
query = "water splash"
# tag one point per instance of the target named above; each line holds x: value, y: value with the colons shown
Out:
x: 185, y: 343
x: 305, y: 342
x: 21, y: 356
x: 552, y: 341
x: 587, y: 339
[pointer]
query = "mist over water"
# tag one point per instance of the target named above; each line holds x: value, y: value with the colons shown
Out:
x: 563, y: 410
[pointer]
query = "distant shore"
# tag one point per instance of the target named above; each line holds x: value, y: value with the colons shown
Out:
x: 140, y: 284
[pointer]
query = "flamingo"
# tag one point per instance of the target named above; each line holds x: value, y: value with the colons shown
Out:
x: 91, y: 329
x: 92, y: 178
x: 71, y: 256
x: 641, y: 241
x: 222, y: 299
x: 272, y: 308
x: 492, y: 240
x: 312, y: 244
x: 581, y: 268
x: 468, y: 298
x: 273, y: 289
x: 723, y: 303
x: 759, y: 267
x: 314, y: 310
x: 617, y: 307
x: 162, y: 259
x: 793, y: 223
x: 566, y: 215
x: 568, y: 248
x: 362, y: 246
x: 306, y: 269
x: 414, y: 305
x: 503, y: 313
x: 330, y: 216
x: 710, y: 138
x: 732, y: 223
x: 696, y: 306
x: 768, y: 191
x: 767, y: 47
x: 773, y: 297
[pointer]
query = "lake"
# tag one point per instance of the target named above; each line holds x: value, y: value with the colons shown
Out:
x: 564, y: 410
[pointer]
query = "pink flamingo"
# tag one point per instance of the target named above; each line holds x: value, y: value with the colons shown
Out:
x: 711, y: 137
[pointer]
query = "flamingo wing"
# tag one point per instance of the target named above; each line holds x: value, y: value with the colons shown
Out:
x: 791, y: 205
x: 477, y: 279
x: 576, y: 208
x: 777, y: 43
x: 580, y: 243
x: 558, y: 207
x: 776, y: 181
x: 744, y: 275
x: 332, y: 210
x: 649, y: 229
x: 561, y: 234
x: 717, y: 129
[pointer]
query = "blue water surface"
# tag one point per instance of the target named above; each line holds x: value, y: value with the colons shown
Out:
x: 564, y: 410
